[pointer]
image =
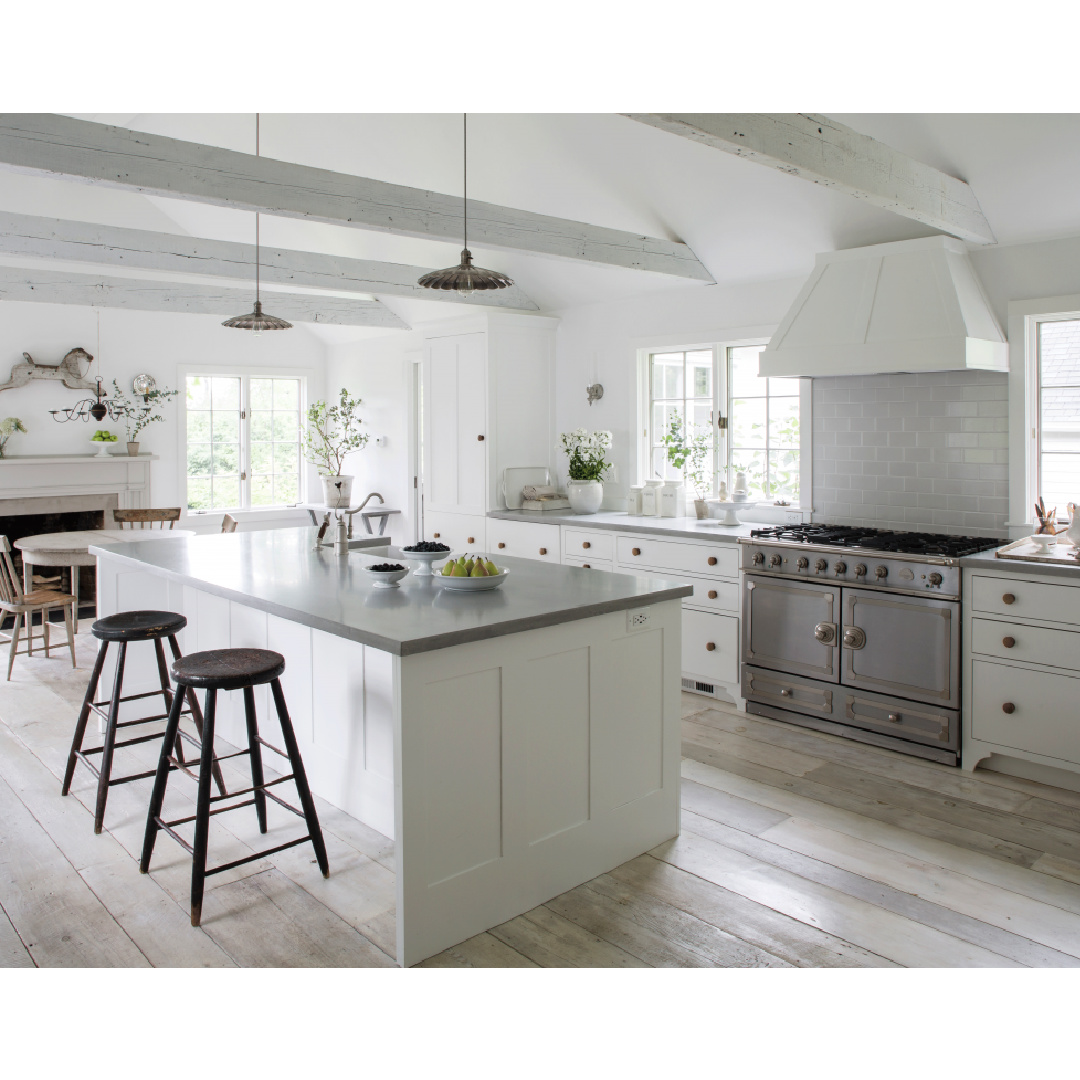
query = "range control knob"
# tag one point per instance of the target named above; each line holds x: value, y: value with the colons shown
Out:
x: 758, y: 558
x: 821, y: 566
x: 775, y: 560
x: 881, y: 572
x: 860, y: 570
x: 803, y: 562
x: 840, y: 567
x: 935, y: 579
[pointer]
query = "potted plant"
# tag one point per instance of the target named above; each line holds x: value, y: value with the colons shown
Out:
x: 137, y: 415
x: 332, y: 432
x: 8, y: 427
x: 585, y: 488
x: 690, y: 456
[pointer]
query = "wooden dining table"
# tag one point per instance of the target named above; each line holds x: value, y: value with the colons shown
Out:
x: 71, y: 549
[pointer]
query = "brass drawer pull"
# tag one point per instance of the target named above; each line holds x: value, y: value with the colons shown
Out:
x: 1008, y: 642
x: 586, y: 566
x: 543, y: 551
x: 501, y: 544
x: 586, y: 544
x: 712, y: 560
x: 635, y: 551
x: 479, y: 438
x: 436, y: 535
x: 470, y: 539
x: 712, y: 594
x: 1008, y: 707
x: 1008, y: 598
x: 711, y: 646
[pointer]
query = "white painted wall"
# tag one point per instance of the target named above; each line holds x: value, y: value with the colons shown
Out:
x: 134, y: 342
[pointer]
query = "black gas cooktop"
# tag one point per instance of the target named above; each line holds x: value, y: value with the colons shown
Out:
x: 850, y: 536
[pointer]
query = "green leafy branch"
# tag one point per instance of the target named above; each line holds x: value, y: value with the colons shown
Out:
x: 332, y: 432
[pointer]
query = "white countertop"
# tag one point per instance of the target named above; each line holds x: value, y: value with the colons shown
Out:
x: 686, y: 528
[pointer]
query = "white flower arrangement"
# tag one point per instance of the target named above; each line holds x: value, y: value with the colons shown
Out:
x: 586, y: 451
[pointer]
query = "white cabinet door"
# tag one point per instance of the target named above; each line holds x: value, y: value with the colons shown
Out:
x: 455, y: 420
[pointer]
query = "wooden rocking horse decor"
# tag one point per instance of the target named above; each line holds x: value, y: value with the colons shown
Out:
x: 71, y: 370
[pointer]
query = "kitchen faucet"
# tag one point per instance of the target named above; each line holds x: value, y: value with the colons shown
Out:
x: 349, y: 513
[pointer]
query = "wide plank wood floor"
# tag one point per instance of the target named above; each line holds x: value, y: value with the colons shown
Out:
x: 798, y: 849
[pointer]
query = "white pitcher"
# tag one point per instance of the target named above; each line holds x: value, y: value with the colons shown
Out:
x: 1072, y: 534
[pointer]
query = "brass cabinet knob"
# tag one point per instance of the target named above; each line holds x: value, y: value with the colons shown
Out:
x: 1008, y: 598
x: 712, y: 560
x: 501, y: 544
x: 711, y: 646
x: 1008, y: 642
x: 479, y: 438
x: 1008, y: 707
x: 635, y: 551
x: 436, y: 535
x: 543, y: 551
x: 586, y: 544
x: 586, y: 566
x: 470, y: 539
x: 712, y: 594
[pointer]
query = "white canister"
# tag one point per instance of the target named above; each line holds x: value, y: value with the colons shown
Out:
x: 633, y: 501
x: 648, y: 500
x: 671, y: 500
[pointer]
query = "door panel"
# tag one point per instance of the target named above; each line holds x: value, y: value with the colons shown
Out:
x: 908, y: 646
x: 780, y: 620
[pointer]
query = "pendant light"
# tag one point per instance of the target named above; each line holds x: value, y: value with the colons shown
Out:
x: 465, y: 278
x: 257, y: 320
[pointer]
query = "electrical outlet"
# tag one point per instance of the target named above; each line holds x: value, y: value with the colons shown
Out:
x: 612, y: 474
x: 637, y: 620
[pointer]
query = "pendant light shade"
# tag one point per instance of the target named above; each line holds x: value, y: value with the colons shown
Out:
x: 465, y: 278
x: 257, y: 320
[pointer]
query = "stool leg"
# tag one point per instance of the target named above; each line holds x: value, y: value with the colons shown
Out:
x: 110, y: 739
x: 68, y: 621
x: 202, y: 810
x: 14, y: 642
x: 45, y: 615
x: 84, y: 715
x: 161, y: 779
x: 167, y: 694
x: 306, y: 801
x: 255, y: 756
x: 196, y: 716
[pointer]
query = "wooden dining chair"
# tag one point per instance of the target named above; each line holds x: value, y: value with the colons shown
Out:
x: 128, y: 519
x: 228, y: 523
x: 22, y: 606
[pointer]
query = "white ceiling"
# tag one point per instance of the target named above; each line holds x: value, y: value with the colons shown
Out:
x: 743, y: 221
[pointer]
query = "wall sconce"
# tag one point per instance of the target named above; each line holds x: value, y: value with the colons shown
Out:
x: 595, y: 392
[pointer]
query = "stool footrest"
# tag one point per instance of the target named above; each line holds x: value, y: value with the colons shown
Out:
x: 249, y: 790
x: 131, y: 697
x: 104, y: 714
x: 114, y: 781
x: 271, y: 746
x: 257, y: 855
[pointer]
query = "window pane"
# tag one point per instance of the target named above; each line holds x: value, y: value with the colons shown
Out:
x: 1059, y: 480
x: 784, y: 474
x: 699, y: 370
x: 262, y: 457
x: 225, y: 392
x: 226, y: 426
x: 287, y: 488
x: 198, y: 392
x: 783, y: 421
x: 1059, y: 353
x: 262, y: 425
x: 287, y: 394
x: 700, y: 418
x: 262, y: 393
x: 262, y: 490
x: 748, y: 422
x: 198, y: 426
x: 285, y: 426
x: 198, y: 459
x: 662, y: 418
x: 226, y: 459
x: 744, y: 372
x: 286, y: 458
x: 667, y: 375
x: 198, y: 494
x: 753, y: 463
x: 226, y: 493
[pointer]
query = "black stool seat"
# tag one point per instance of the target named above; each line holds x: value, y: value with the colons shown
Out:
x: 138, y: 626
x: 228, y: 669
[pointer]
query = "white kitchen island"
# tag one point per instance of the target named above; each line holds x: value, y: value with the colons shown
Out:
x: 513, y: 743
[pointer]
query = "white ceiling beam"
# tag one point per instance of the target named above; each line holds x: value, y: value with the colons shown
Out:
x: 104, y: 245
x: 88, y: 290
x: 47, y: 144
x: 824, y: 152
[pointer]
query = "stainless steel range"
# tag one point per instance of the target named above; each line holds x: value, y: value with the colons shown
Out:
x: 856, y: 632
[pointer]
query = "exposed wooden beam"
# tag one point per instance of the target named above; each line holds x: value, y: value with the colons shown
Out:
x: 825, y: 152
x: 52, y: 145
x: 104, y: 245
x: 57, y: 287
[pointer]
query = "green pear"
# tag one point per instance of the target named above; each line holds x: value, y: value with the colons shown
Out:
x: 491, y: 568
x: 448, y: 567
x: 459, y: 571
x: 478, y: 569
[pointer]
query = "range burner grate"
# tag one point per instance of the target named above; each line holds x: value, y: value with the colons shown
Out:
x: 852, y: 536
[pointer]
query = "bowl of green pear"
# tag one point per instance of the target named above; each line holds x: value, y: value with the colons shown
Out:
x: 467, y: 574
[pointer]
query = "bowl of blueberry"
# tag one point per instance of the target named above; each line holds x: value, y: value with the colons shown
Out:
x: 386, y: 575
x: 423, y: 554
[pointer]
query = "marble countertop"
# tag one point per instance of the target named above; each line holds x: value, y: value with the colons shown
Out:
x: 685, y: 528
x: 987, y: 560
x: 280, y: 572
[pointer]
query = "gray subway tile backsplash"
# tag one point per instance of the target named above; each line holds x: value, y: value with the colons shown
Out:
x: 913, y: 451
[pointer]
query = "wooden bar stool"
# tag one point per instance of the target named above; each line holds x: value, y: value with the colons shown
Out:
x: 124, y: 627
x: 230, y: 669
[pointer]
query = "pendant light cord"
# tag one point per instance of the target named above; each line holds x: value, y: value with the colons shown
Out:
x: 465, y: 177
x: 256, y: 218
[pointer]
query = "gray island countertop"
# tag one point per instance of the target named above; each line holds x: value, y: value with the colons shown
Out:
x: 280, y: 572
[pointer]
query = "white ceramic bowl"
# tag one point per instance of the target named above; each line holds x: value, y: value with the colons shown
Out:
x: 423, y: 559
x: 383, y: 579
x: 471, y: 584
x: 1043, y: 541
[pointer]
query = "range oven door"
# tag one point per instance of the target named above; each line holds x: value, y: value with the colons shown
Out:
x: 904, y: 646
x: 791, y: 626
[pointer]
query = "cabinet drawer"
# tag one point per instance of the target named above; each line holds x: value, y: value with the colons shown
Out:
x: 587, y: 563
x: 590, y: 543
x: 719, y: 559
x: 463, y: 532
x: 1025, y: 599
x: 1030, y: 644
x: 905, y: 719
x: 523, y: 540
x: 711, y: 594
x: 786, y: 692
x: 1026, y: 710
x: 710, y: 646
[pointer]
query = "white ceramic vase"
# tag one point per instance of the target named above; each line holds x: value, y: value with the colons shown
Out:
x: 337, y: 491
x: 585, y: 495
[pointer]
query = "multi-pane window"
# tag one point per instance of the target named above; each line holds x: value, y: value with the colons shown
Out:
x: 702, y: 389
x: 243, y: 441
x: 1059, y: 413
x: 764, y: 427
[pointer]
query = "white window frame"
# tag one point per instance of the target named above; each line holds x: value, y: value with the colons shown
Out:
x: 722, y: 399
x: 1024, y: 319
x: 245, y: 375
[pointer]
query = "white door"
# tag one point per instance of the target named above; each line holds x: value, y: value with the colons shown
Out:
x: 455, y: 412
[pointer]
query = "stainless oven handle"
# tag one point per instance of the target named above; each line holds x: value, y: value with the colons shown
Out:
x: 854, y: 637
x: 825, y: 632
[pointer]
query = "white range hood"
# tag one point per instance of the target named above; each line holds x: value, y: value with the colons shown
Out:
x: 915, y: 305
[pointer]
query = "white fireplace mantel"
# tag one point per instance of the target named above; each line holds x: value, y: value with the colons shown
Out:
x: 35, y: 476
